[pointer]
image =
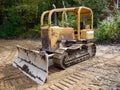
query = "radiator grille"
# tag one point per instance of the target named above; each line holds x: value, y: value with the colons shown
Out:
x: 45, y: 40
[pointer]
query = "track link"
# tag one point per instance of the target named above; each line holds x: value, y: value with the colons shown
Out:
x: 71, y: 57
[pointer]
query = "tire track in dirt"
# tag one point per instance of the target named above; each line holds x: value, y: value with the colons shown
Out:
x: 7, y: 72
x: 13, y: 79
x: 69, y: 82
x: 88, y: 75
x: 92, y: 74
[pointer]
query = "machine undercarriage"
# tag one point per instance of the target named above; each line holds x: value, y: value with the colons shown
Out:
x: 65, y: 57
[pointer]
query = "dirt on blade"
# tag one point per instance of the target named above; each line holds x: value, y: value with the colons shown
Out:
x: 99, y: 73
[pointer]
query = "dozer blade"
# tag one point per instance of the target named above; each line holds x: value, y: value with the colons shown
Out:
x: 32, y: 63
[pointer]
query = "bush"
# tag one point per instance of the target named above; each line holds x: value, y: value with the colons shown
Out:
x: 32, y: 33
x: 7, y: 30
x: 106, y: 30
x: 109, y: 29
x: 19, y: 21
x: 116, y: 13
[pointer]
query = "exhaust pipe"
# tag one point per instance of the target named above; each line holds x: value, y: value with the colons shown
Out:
x: 55, y: 15
x: 65, y: 12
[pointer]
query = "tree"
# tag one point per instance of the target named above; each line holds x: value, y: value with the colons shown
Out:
x: 23, y: 15
x: 99, y: 7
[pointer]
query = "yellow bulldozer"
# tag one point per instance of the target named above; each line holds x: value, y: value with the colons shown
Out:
x: 62, y: 45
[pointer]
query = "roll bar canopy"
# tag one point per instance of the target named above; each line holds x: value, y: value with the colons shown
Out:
x: 77, y: 10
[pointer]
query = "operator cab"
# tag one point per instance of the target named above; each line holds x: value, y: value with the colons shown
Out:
x: 72, y: 24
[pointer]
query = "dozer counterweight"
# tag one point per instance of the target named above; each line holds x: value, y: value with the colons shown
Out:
x: 62, y: 45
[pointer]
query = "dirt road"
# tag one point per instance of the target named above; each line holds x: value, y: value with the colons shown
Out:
x: 99, y: 73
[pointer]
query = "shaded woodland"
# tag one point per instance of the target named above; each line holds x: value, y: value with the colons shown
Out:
x: 21, y: 18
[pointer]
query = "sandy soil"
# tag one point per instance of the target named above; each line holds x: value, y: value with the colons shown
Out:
x: 99, y: 73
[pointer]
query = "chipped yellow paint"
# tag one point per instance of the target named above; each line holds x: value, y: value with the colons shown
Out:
x: 56, y: 33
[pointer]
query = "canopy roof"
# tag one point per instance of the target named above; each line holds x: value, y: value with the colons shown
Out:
x: 78, y: 10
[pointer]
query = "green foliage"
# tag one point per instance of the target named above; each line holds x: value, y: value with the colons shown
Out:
x: 7, y: 30
x: 33, y: 33
x: 17, y: 20
x: 99, y: 7
x: 106, y: 30
x: 26, y: 12
x: 71, y: 19
x: 109, y: 29
x: 20, y: 18
x: 116, y: 14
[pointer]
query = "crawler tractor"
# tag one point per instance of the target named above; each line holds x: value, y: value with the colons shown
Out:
x: 63, y: 44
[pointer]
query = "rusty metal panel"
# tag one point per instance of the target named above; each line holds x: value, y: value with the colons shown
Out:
x: 45, y: 40
x: 33, y: 64
x: 59, y: 33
